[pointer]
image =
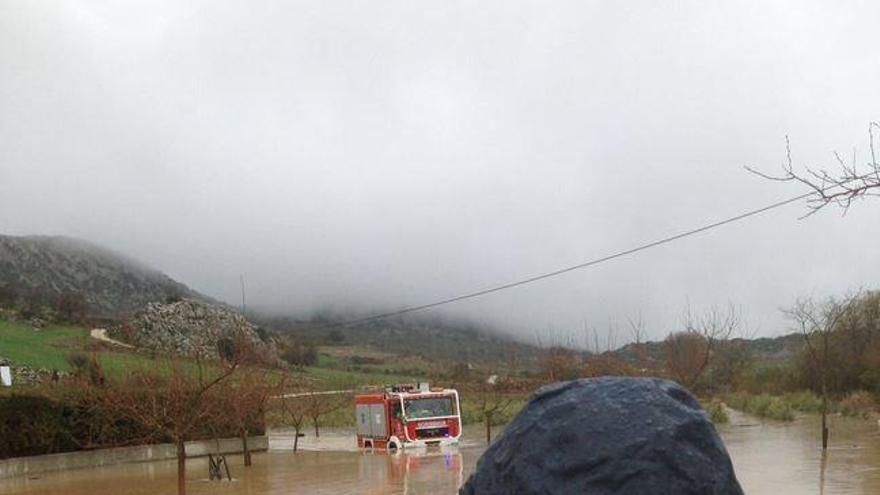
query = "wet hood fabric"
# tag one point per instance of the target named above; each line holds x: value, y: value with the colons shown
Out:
x: 607, y: 436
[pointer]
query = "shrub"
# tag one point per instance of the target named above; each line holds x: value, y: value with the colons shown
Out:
x: 86, y: 367
x: 758, y: 404
x: 300, y: 354
x: 779, y: 410
x: 72, y: 308
x: 859, y: 404
x: 8, y: 296
x: 336, y: 337
x: 226, y: 349
x: 763, y: 405
x: 717, y: 412
x: 78, y: 418
x: 264, y: 335
x: 366, y: 360
x: 804, y: 401
x: 31, y: 425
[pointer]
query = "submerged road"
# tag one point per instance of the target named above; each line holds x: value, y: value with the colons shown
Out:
x: 770, y: 458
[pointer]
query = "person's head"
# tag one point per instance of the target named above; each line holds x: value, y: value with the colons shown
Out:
x: 606, y: 436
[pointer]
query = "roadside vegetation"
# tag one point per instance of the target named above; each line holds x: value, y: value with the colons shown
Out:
x: 716, y: 410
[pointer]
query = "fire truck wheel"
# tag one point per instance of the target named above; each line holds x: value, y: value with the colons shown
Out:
x: 393, y: 444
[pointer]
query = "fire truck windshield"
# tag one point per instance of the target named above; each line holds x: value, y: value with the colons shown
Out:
x: 428, y: 407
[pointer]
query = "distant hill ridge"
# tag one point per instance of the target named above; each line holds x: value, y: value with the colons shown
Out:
x: 766, y: 350
x: 112, y: 284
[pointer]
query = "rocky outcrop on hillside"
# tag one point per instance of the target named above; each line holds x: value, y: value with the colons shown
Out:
x: 195, y: 329
x: 50, y: 268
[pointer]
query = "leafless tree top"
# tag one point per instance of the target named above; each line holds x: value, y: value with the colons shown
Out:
x: 841, y: 187
x: 636, y: 328
x: 813, y: 317
x: 715, y: 324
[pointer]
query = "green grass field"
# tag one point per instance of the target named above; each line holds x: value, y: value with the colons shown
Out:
x: 341, y: 379
x: 47, y: 348
x: 362, y: 359
x: 50, y: 347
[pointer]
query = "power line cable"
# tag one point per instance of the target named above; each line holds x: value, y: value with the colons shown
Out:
x: 579, y: 266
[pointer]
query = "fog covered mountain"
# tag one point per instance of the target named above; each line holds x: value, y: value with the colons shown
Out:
x: 111, y: 284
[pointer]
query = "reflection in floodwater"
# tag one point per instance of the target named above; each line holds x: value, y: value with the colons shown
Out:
x: 822, y: 470
x: 412, y: 472
x: 770, y: 458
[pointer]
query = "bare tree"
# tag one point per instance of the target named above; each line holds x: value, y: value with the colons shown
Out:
x: 319, y: 404
x: 637, y: 337
x: 246, y: 401
x: 611, y: 336
x: 636, y: 328
x: 593, y: 344
x: 180, y: 400
x: 494, y: 396
x: 816, y: 323
x: 689, y: 353
x: 686, y: 357
x: 175, y: 403
x: 293, y: 412
x: 840, y: 188
x: 72, y: 307
x: 559, y: 363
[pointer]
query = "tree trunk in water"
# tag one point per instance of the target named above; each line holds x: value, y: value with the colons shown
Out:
x: 824, y: 424
x: 488, y: 430
x: 317, y: 433
x: 245, y: 449
x: 181, y: 467
x: 296, y: 440
x: 824, y: 415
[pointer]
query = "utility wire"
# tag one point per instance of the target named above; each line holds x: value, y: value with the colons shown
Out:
x: 580, y: 266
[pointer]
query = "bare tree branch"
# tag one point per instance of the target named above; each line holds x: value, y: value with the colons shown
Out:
x: 840, y: 188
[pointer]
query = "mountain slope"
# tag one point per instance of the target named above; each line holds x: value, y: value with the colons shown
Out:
x: 111, y: 284
x: 433, y: 338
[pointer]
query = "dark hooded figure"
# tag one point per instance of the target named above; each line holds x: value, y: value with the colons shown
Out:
x: 602, y: 436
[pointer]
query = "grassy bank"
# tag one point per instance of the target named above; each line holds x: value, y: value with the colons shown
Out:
x: 784, y: 407
x: 859, y: 404
x: 763, y: 406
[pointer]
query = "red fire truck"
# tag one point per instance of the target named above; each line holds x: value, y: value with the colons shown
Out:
x: 408, y: 415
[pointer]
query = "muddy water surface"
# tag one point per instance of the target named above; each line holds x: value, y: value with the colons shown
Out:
x: 770, y: 458
x: 775, y: 458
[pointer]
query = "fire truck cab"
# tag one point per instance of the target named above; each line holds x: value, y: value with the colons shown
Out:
x: 408, y: 415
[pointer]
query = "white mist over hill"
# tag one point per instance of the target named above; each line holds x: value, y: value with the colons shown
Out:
x: 360, y: 158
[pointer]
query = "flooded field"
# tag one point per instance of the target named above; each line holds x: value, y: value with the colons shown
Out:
x: 770, y: 458
x: 775, y: 458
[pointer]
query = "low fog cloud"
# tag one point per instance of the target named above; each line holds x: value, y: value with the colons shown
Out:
x: 364, y: 156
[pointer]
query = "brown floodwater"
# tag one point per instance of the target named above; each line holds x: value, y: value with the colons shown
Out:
x: 770, y: 458
x: 777, y: 458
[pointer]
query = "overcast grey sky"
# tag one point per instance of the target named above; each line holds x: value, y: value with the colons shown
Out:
x: 371, y: 155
